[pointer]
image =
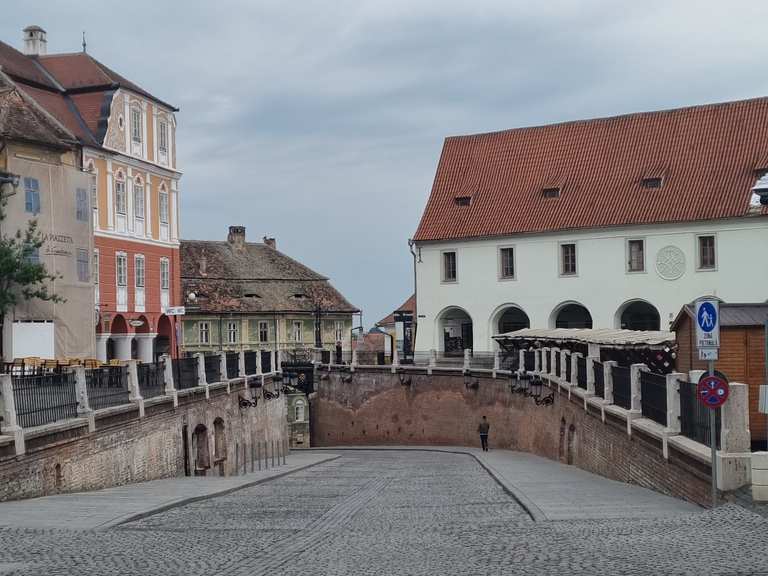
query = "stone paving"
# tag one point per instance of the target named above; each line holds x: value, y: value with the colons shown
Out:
x: 390, y: 512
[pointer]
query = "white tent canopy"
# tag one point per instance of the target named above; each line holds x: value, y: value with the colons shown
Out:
x: 609, y: 337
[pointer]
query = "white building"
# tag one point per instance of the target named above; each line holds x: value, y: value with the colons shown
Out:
x: 607, y: 223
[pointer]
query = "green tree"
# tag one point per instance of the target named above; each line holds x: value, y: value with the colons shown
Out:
x: 22, y: 276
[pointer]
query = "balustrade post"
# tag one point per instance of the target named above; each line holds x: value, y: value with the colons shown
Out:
x: 395, y: 360
x: 272, y: 357
x: 241, y: 364
x: 83, y: 404
x: 536, y: 360
x: 202, y: 379
x: 672, y: 387
x: 134, y: 393
x: 521, y: 364
x: 223, y: 375
x: 574, y: 376
x: 591, y: 374
x: 608, y: 380
x: 258, y: 362
x: 278, y: 365
x: 636, y: 399
x: 467, y: 359
x: 553, y: 362
x: 10, y: 424
x: 432, y: 360
x: 564, y: 376
x: 353, y: 365
x: 496, y: 362
x: 170, y: 388
x: 734, y: 455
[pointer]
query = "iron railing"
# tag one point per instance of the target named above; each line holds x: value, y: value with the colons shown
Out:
x: 185, y: 373
x: 557, y: 364
x: 212, y: 369
x: 581, y: 372
x: 622, y: 387
x: 694, y: 417
x: 107, y: 386
x: 419, y: 358
x: 481, y: 360
x: 653, y: 396
x: 251, y: 362
x: 233, y: 365
x: 266, y: 362
x: 530, y: 359
x: 599, y: 379
x: 151, y: 379
x: 44, y: 398
x: 568, y: 362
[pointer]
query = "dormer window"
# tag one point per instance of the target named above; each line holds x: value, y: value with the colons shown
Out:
x: 550, y: 192
x: 653, y: 182
x: 136, y: 131
x: 462, y: 200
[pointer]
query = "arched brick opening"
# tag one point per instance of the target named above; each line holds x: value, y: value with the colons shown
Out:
x: 638, y: 315
x: 200, y: 450
x: 454, y: 330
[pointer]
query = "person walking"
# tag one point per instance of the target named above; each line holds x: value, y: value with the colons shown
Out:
x: 483, y: 430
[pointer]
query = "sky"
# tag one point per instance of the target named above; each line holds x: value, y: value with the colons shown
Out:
x: 320, y: 123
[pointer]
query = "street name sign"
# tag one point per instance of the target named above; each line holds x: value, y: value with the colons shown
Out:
x: 175, y: 311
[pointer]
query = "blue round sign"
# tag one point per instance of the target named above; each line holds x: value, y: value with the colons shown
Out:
x: 707, y: 318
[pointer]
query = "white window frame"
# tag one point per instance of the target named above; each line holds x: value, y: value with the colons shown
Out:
x: 139, y: 277
x: 443, y: 279
x: 338, y: 328
x: 265, y: 324
x: 500, y: 260
x: 298, y: 335
x: 95, y: 275
x: 81, y: 205
x: 232, y: 332
x: 137, y: 128
x: 120, y: 192
x: 712, y: 235
x: 83, y: 265
x: 164, y: 206
x: 628, y: 256
x: 93, y: 190
x: 561, y: 261
x: 138, y: 185
x: 204, y: 332
x: 162, y: 135
x: 299, y: 404
x: 165, y: 274
x: 121, y: 257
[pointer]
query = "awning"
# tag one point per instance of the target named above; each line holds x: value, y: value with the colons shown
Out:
x: 608, y: 337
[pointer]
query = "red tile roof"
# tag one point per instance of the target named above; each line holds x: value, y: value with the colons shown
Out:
x: 706, y: 155
x: 22, y: 67
x: 407, y: 306
x: 57, y: 104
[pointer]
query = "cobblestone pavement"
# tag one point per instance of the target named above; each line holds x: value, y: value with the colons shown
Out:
x: 389, y: 513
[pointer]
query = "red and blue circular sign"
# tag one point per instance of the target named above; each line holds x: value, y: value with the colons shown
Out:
x: 712, y: 391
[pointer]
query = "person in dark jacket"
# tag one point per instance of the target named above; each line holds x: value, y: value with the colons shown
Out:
x: 483, y: 429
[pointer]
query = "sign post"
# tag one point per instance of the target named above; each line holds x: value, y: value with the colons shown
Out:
x: 708, y: 343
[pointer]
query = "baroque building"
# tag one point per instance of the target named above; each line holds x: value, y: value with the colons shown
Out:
x: 605, y: 223
x: 245, y: 295
x: 127, y: 141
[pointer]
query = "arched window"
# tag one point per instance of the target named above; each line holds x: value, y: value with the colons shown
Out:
x: 121, y: 201
x: 299, y: 408
x: 573, y: 316
x: 639, y: 315
x: 138, y: 198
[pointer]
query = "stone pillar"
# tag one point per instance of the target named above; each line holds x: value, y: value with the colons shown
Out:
x: 201, y: 378
x: 544, y: 356
x: 145, y: 345
x: 760, y: 476
x: 258, y: 362
x: 353, y: 365
x: 272, y: 357
x: 432, y: 360
x: 553, y: 360
x: 223, y: 366
x: 734, y: 457
x: 608, y: 380
x: 537, y: 361
x: 134, y: 393
x: 10, y: 424
x: 521, y: 362
x: 591, y: 374
x: 101, y: 346
x: 122, y: 346
x: 575, y: 356
x: 672, y: 386
x: 170, y: 388
x: 467, y: 359
x: 241, y: 364
x: 636, y: 405
x: 83, y: 404
x: 395, y: 360
x: 564, y: 376
x: 593, y: 350
x: 278, y: 365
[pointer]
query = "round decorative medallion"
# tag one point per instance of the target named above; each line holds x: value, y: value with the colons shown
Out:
x: 670, y: 263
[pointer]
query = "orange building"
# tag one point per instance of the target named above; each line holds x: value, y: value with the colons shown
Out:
x: 128, y: 147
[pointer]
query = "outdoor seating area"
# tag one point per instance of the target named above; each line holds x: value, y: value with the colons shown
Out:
x: 32, y: 365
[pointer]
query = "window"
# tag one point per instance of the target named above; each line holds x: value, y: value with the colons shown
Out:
x: 707, y: 260
x: 138, y: 200
x: 263, y: 331
x: 298, y: 331
x: 507, y: 263
x: 83, y: 261
x: 550, y: 192
x: 635, y: 255
x: 651, y: 183
x: 299, y: 411
x: 449, y: 266
x: 162, y: 128
x: 462, y: 200
x: 165, y: 280
x: 32, y: 195
x: 94, y: 190
x: 139, y: 262
x: 96, y: 267
x: 163, y: 206
x: 81, y: 205
x: 121, y: 204
x: 204, y: 332
x: 122, y: 269
x: 136, y: 131
x: 339, y: 330
x: 567, y: 259
x: 232, y: 332
x: 33, y: 256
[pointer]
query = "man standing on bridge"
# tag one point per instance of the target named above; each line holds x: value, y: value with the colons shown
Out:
x: 483, y: 429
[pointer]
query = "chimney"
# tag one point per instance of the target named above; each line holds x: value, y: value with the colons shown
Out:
x: 270, y: 242
x: 236, y: 237
x: 35, y: 43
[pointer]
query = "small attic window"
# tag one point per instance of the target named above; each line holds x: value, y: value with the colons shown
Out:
x: 462, y: 200
x: 251, y: 295
x: 651, y: 182
x: 553, y: 192
x: 298, y: 296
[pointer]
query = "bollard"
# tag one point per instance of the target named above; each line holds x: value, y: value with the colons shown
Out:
x: 258, y: 454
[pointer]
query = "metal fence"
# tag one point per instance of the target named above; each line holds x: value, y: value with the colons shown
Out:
x: 151, y: 379
x: 233, y: 365
x: 482, y: 360
x: 653, y: 396
x: 212, y: 369
x: 266, y: 361
x: 599, y: 380
x: 622, y: 387
x: 581, y: 372
x: 107, y: 386
x: 568, y: 362
x: 44, y: 398
x: 185, y: 373
x: 530, y: 359
x: 251, y: 362
x: 557, y: 363
x: 694, y: 417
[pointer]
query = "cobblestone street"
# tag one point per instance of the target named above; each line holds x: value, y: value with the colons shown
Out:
x: 389, y: 512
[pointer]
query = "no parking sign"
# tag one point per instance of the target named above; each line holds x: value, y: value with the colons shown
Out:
x: 712, y: 390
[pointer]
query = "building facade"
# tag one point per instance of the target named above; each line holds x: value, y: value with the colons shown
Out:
x: 42, y: 156
x: 243, y: 295
x: 127, y: 141
x: 298, y: 419
x: 607, y: 223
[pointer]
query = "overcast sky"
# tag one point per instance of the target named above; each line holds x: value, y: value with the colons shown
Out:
x: 321, y: 122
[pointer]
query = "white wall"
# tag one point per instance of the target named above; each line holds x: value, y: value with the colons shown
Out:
x: 602, y: 284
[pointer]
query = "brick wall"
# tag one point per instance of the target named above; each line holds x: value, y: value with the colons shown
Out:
x: 136, y: 450
x: 375, y: 408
